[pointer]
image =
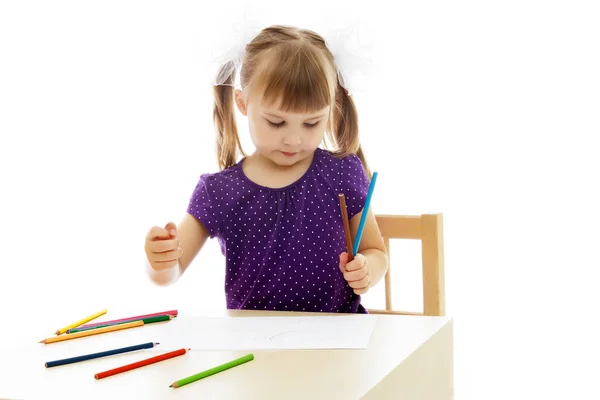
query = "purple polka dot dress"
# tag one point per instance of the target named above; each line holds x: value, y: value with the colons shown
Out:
x: 282, y: 246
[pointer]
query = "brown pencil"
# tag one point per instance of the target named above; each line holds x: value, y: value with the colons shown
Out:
x: 92, y: 332
x: 346, y: 226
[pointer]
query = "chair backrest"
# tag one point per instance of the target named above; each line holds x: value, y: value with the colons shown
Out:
x: 428, y: 229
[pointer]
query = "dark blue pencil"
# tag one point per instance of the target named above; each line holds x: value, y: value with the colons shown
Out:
x: 86, y: 357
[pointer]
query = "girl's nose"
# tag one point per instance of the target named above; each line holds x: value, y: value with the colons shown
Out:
x: 292, y: 140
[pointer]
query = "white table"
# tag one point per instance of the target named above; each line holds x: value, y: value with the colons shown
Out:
x: 408, y: 357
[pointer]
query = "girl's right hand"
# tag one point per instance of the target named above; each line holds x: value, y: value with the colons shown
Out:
x: 162, y: 247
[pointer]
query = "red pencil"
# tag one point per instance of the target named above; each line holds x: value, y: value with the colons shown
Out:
x: 141, y: 363
x: 128, y: 319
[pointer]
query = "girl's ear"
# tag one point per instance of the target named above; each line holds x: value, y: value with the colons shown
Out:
x: 239, y: 101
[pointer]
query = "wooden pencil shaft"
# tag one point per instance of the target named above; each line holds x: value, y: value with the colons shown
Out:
x: 142, y: 363
x: 92, y: 356
x: 144, y: 320
x: 81, y: 322
x: 365, y: 212
x: 347, y: 233
x: 174, y: 313
x: 93, y: 332
x: 212, y: 371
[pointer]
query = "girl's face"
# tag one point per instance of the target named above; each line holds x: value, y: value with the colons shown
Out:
x: 284, y: 138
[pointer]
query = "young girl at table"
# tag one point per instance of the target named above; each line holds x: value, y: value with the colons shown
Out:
x: 276, y: 212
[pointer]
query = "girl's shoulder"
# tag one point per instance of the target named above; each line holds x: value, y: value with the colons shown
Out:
x: 221, y: 178
x: 331, y: 161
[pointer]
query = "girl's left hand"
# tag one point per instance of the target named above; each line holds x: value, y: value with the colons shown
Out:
x: 357, y: 272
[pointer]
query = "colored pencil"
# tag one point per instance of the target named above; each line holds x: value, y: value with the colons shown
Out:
x: 365, y: 212
x: 141, y: 363
x: 107, y: 353
x: 129, y: 319
x: 212, y: 371
x: 93, y: 332
x: 144, y: 320
x: 81, y: 322
x: 344, y: 212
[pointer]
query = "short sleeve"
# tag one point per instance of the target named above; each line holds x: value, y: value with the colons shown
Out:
x: 354, y: 184
x: 204, y: 206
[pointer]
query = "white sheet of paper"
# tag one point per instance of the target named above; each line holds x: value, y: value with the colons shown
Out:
x: 268, y: 333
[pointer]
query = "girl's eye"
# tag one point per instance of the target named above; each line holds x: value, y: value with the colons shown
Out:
x: 278, y: 125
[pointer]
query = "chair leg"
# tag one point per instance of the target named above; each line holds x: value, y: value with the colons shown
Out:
x: 433, y: 265
x: 388, y: 279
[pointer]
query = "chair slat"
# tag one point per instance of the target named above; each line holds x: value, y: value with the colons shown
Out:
x: 428, y: 229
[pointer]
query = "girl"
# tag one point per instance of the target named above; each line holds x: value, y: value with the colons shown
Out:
x: 276, y: 212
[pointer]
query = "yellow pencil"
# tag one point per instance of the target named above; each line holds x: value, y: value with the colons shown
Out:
x: 83, y: 321
x: 93, y: 332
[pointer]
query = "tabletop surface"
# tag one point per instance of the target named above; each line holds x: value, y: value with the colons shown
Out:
x: 331, y: 373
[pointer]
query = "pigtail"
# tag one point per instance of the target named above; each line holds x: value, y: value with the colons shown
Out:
x: 345, y: 127
x: 228, y: 141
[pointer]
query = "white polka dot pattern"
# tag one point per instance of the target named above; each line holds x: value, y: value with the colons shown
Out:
x: 282, y: 246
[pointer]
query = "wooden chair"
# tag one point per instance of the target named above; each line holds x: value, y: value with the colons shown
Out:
x: 428, y: 229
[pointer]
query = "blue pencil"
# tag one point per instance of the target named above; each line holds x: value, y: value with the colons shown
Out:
x: 365, y: 211
x: 86, y: 357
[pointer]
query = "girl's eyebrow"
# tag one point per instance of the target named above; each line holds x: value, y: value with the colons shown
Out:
x: 308, y: 119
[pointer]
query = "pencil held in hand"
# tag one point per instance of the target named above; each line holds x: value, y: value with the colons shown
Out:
x: 365, y: 212
x: 344, y: 212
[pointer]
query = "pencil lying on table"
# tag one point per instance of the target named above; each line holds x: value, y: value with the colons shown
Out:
x: 174, y: 313
x: 107, y: 353
x: 81, y: 322
x: 92, y: 332
x: 141, y: 363
x: 212, y: 371
x: 145, y: 321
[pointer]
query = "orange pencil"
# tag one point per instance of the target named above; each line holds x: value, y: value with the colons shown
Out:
x: 92, y: 332
x: 346, y: 226
x: 141, y: 363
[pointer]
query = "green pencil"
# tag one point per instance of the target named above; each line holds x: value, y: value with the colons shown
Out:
x: 149, y: 320
x: 212, y: 371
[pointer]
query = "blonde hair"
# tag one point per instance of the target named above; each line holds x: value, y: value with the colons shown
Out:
x: 295, y: 68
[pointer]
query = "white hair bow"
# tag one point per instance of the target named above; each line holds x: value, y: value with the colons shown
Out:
x: 229, y: 61
x: 351, y: 57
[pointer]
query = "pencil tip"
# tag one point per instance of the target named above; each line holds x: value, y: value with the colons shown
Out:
x: 42, y: 341
x: 171, y: 385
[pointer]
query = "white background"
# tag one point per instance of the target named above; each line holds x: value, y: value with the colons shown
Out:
x: 487, y: 112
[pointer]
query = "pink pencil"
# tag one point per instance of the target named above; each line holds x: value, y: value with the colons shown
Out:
x: 128, y: 319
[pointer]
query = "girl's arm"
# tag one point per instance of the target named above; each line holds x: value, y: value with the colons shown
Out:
x: 192, y: 236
